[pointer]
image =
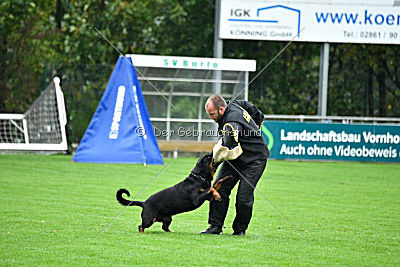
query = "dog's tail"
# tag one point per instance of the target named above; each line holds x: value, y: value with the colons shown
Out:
x: 127, y: 202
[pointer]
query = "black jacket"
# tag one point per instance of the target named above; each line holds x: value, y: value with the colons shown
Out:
x: 245, y: 119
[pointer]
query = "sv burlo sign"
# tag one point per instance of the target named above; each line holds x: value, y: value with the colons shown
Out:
x: 262, y: 20
x: 330, y: 141
x: 199, y: 63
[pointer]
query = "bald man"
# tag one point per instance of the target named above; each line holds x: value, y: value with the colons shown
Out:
x: 244, y: 147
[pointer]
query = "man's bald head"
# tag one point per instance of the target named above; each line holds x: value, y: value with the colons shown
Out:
x: 215, y: 107
x: 217, y: 101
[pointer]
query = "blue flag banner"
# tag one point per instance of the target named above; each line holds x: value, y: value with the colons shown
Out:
x: 120, y: 130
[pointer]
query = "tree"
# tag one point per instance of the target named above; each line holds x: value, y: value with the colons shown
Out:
x: 75, y: 36
x: 24, y: 48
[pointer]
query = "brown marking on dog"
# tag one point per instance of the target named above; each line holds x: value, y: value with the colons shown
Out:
x: 217, y: 186
x: 216, y: 195
x: 212, y: 167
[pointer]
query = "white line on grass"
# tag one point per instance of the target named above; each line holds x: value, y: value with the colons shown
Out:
x: 119, y: 214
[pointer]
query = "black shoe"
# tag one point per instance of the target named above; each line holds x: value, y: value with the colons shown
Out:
x: 214, y: 230
x: 239, y: 233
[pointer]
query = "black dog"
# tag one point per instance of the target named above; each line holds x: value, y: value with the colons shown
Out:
x: 185, y: 196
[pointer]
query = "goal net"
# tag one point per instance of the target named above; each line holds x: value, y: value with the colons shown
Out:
x: 41, y: 128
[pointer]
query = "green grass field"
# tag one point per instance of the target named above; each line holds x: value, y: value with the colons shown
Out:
x: 52, y: 210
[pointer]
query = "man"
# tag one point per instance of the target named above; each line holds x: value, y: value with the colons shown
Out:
x: 245, y: 153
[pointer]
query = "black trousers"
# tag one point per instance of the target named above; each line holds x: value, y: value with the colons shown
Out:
x: 244, y: 197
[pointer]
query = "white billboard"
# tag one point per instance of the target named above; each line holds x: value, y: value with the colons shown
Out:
x: 261, y: 20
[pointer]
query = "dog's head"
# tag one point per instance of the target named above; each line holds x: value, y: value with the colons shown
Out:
x: 206, y: 167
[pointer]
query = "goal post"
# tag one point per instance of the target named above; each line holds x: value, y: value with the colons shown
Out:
x: 41, y: 128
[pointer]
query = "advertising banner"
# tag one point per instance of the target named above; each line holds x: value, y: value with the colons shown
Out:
x: 261, y: 20
x: 332, y: 141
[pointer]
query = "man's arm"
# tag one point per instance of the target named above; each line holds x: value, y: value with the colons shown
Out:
x: 254, y: 112
x: 228, y: 147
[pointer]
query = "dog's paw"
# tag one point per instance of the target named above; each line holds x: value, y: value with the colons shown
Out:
x: 217, y: 197
x: 141, y: 229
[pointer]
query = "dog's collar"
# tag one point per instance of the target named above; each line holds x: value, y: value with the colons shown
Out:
x: 198, y: 177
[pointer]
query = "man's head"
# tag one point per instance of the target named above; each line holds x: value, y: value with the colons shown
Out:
x: 215, y: 107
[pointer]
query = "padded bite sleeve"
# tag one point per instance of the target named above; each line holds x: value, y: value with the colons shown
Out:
x: 228, y: 147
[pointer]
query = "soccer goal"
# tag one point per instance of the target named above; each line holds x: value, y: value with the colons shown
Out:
x: 41, y: 128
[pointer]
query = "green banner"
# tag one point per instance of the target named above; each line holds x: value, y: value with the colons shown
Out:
x: 332, y: 141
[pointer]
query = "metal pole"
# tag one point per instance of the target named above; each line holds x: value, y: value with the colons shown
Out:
x: 201, y: 106
x: 218, y: 47
x: 218, y: 53
x: 323, y: 80
x: 171, y: 93
x: 246, y: 82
